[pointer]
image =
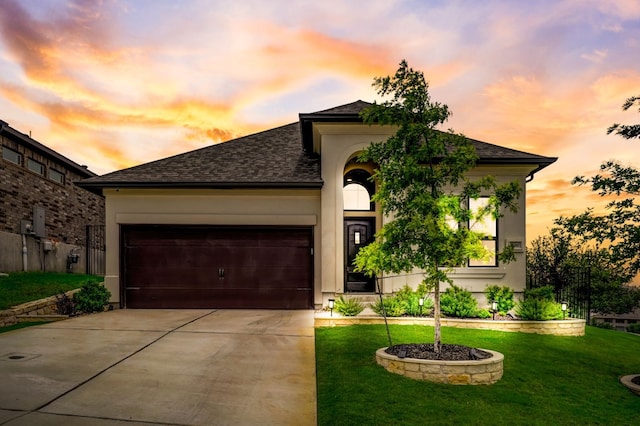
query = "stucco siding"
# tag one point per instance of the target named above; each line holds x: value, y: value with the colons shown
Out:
x: 207, y: 207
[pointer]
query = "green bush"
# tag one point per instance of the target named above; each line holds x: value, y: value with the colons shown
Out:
x: 540, y: 293
x: 633, y: 328
x: 393, y: 307
x: 459, y: 303
x: 348, y: 307
x: 411, y: 299
x: 483, y: 314
x: 502, y: 295
x: 92, y: 297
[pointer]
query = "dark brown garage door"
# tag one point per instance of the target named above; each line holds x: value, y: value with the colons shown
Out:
x: 217, y: 267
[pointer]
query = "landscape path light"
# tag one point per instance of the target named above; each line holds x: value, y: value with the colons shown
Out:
x: 421, y: 304
x: 494, y: 308
x: 564, y: 306
x: 331, y: 305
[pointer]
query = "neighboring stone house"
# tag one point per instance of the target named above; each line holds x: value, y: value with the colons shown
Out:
x: 43, y: 214
x: 274, y: 219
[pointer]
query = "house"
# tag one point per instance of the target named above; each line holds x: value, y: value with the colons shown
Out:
x: 617, y: 321
x: 273, y: 219
x: 45, y: 218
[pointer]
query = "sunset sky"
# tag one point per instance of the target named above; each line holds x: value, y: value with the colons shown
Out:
x: 115, y: 83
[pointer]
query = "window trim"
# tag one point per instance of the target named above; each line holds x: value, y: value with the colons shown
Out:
x: 43, y: 168
x: 493, y: 239
x: 62, y: 176
x: 19, y: 156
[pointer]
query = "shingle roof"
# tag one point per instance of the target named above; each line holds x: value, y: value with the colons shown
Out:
x: 270, y: 159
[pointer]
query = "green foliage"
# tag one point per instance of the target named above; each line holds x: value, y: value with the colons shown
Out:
x: 459, y: 303
x: 483, y: 314
x: 627, y: 131
x: 405, y: 302
x: 423, y: 185
x: 393, y: 307
x: 349, y: 307
x: 540, y: 293
x: 539, y: 305
x: 22, y: 287
x: 633, y: 328
x: 546, y: 380
x: 503, y: 295
x: 552, y: 259
x: 602, y: 324
x: 92, y: 297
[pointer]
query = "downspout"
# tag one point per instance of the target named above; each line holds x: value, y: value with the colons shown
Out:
x: 24, y: 253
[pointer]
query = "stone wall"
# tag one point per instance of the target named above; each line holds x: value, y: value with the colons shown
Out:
x: 46, y: 309
x: 569, y: 327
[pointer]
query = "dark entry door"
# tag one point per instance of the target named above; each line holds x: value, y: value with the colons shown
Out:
x: 358, y: 232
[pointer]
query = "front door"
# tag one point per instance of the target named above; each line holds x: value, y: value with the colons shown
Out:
x: 358, y: 232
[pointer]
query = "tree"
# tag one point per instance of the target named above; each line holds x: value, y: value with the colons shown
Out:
x: 615, y: 234
x: 424, y: 189
x: 627, y: 131
x: 552, y: 260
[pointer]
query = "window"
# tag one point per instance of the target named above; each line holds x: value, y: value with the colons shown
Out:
x: 11, y: 155
x: 357, y: 191
x: 35, y: 166
x: 488, y: 226
x: 56, y: 176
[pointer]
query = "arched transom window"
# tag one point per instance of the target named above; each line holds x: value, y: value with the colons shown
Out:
x: 357, y: 191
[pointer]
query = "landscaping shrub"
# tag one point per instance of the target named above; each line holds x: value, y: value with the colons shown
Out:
x: 393, y: 307
x: 405, y: 302
x: 459, y: 303
x: 539, y: 305
x: 502, y: 295
x: 65, y: 305
x: 348, y: 307
x: 633, y: 328
x: 92, y: 297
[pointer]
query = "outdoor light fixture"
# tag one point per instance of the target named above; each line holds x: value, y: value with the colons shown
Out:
x: 564, y: 306
x: 331, y: 305
x: 494, y: 308
x: 421, y: 304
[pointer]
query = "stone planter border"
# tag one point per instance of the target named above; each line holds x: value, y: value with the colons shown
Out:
x: 473, y: 372
x: 568, y: 327
x: 627, y: 382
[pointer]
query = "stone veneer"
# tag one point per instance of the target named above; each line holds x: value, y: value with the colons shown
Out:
x: 39, y: 310
x: 473, y: 372
x: 569, y: 327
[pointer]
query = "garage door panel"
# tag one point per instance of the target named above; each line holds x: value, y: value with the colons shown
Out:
x: 216, y: 267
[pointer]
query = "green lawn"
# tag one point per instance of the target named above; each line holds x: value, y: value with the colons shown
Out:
x: 21, y: 287
x: 548, y: 380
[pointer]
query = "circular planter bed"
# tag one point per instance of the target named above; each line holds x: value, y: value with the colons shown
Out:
x: 483, y: 371
x: 632, y: 382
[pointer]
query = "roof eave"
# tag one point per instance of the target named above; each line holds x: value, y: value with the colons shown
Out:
x: 97, y: 187
x: 38, y: 147
x: 307, y: 120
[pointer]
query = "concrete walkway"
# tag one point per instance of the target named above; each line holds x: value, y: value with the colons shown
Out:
x: 182, y: 367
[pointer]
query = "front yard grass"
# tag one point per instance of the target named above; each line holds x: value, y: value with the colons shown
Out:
x: 22, y: 287
x: 547, y: 379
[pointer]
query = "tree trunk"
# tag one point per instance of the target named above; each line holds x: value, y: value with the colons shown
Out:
x: 436, y: 319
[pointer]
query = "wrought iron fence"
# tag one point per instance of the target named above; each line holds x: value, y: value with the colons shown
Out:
x: 571, y: 285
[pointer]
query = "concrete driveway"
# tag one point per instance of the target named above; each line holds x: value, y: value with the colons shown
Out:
x: 183, y: 367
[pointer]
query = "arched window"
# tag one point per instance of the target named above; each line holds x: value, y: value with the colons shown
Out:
x: 357, y: 191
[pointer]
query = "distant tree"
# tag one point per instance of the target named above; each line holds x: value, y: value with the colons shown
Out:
x: 627, y: 131
x: 615, y: 235
x: 552, y: 259
x: 424, y: 188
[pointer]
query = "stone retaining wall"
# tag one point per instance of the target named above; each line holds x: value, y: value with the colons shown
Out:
x: 45, y: 308
x: 569, y: 327
x: 475, y: 372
